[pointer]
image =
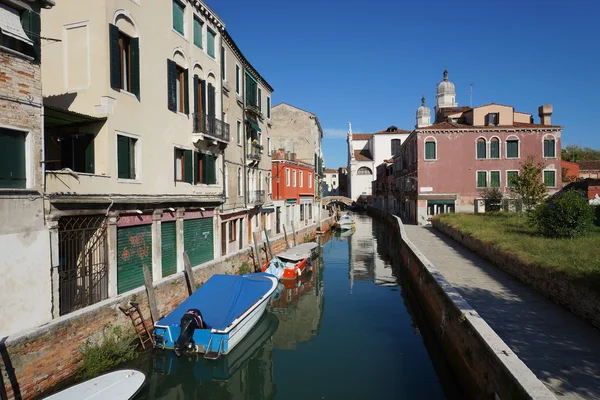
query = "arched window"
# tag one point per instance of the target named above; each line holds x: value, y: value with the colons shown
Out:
x: 549, y: 146
x: 124, y: 54
x: 395, y: 146
x: 495, y: 148
x: 481, y: 148
x: 177, y: 83
x: 430, y: 149
x: 239, y: 182
x: 364, y: 171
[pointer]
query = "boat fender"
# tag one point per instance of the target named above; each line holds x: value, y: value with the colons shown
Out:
x: 309, y: 262
x: 190, y: 321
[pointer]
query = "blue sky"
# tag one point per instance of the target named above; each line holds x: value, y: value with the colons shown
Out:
x: 369, y: 62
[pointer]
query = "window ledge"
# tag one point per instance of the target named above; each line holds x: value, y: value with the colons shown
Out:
x: 182, y: 114
x: 19, y: 191
x: 431, y: 160
x: 550, y: 158
x: 179, y: 34
x: 16, y: 53
x: 123, y: 91
x: 63, y: 172
x: 134, y: 181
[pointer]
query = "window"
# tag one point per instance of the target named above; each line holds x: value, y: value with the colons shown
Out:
x: 268, y: 107
x: 494, y: 178
x: 126, y: 157
x: 239, y: 182
x: 510, y: 178
x: 210, y: 42
x: 364, y: 171
x: 183, y: 165
x: 549, y: 148
x: 232, y: 230
x: 239, y: 132
x: 251, y: 91
x: 13, y: 168
x: 198, y: 32
x: 76, y: 151
x: 495, y: 148
x: 225, y: 180
x: 206, y: 169
x: 178, y: 11
x: 481, y: 148
x: 481, y: 179
x: 430, y: 150
x: 550, y: 178
x: 259, y: 99
x: 124, y: 61
x: 223, y: 58
x: 395, y: 146
x: 178, y: 95
x: 512, y: 148
x: 294, y: 178
x: 310, y: 180
x: 287, y: 177
x: 301, y: 179
x: 260, y: 180
x: 237, y: 80
x: 269, y: 146
x: 492, y: 119
x: 302, y: 212
x: 22, y: 33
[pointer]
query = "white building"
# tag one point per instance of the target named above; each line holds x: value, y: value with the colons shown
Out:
x: 365, y: 152
x: 331, y: 182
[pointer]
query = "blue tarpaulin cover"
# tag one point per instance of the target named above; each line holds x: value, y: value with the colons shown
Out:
x: 222, y: 299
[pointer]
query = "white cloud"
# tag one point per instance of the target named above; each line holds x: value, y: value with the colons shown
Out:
x: 331, y: 133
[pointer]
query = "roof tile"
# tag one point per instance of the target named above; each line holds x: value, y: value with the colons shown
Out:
x: 363, y: 155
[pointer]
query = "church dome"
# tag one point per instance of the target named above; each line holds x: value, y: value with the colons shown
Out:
x: 423, y: 111
x: 446, y: 93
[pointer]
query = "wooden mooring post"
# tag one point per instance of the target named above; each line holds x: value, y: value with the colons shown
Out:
x: 294, y: 232
x: 287, y: 243
x: 257, y: 250
x: 189, y: 275
x: 150, y: 292
x: 268, y: 243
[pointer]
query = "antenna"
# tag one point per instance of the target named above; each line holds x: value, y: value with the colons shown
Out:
x: 471, y: 95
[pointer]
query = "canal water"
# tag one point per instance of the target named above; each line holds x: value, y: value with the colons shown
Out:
x: 347, y: 330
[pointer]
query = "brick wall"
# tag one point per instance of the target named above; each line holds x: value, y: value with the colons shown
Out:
x: 36, y: 361
x: 578, y: 299
x: 483, y: 364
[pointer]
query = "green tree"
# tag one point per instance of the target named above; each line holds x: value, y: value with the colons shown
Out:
x: 493, y: 198
x: 566, y: 215
x: 574, y: 153
x: 528, y: 184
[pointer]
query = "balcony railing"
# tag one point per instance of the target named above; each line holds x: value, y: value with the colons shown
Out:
x: 252, y: 105
x: 254, y: 154
x: 256, y: 197
x: 211, y: 126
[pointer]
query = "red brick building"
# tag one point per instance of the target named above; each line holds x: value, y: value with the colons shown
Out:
x: 293, y: 190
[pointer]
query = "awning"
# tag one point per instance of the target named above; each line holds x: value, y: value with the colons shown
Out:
x: 55, y: 116
x: 267, y: 209
x: 291, y: 201
x: 10, y: 24
x: 254, y: 126
x: 440, y: 201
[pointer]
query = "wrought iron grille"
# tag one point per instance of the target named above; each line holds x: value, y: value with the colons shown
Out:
x: 83, y: 262
x: 211, y: 126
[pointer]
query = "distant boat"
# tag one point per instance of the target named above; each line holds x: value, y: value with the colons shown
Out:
x: 291, y: 263
x: 217, y: 316
x: 116, y: 385
x: 345, y: 222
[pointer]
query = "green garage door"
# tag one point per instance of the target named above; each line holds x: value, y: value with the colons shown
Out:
x: 134, y: 249
x: 169, y: 248
x: 198, y: 240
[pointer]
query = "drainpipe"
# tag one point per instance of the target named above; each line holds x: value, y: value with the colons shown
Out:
x: 244, y: 141
x: 222, y: 114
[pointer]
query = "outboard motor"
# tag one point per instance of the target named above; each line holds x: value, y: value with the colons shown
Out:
x: 190, y: 321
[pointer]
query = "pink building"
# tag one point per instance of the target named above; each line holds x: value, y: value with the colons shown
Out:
x: 444, y: 166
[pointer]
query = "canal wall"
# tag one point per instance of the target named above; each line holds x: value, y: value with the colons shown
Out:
x: 577, y: 298
x: 485, y: 366
x: 35, y: 361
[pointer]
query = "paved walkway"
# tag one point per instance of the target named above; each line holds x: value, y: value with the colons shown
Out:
x: 562, y: 350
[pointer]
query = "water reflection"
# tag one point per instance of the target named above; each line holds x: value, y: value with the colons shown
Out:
x: 360, y: 343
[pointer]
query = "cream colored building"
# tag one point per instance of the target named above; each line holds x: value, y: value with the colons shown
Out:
x: 137, y: 142
x: 247, y: 108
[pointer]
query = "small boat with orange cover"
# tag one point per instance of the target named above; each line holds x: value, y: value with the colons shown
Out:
x: 291, y: 263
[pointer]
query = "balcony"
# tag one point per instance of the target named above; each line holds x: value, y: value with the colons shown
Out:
x: 211, y: 127
x: 252, y: 106
x: 256, y: 197
x: 254, y: 155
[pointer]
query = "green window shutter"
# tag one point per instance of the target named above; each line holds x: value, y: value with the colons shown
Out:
x: 134, y: 250
x: 196, y: 167
x: 123, y: 161
x: 134, y: 45
x: 210, y: 43
x: 481, y: 149
x: 203, y: 96
x: 510, y: 177
x: 512, y: 148
x: 268, y: 107
x: 204, y: 161
x: 237, y: 79
x: 481, y: 179
x: 197, y: 32
x: 212, y: 169
x: 187, y: 164
x: 186, y: 92
x: 115, y: 57
x: 495, y: 149
x: 495, y: 178
x: 31, y: 22
x: 198, y: 240
x: 89, y: 156
x: 549, y: 148
x: 178, y: 16
x: 550, y: 178
x: 546, y: 148
x: 12, y: 160
x: 212, y: 107
x: 430, y: 151
x: 259, y: 99
x: 172, y: 85
x: 222, y: 62
x: 168, y: 247
x: 196, y: 112
x: 552, y: 145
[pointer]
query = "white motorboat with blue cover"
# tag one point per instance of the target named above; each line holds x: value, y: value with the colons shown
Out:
x: 217, y: 316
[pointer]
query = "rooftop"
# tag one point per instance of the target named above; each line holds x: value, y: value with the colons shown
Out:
x: 589, y: 165
x: 447, y: 126
x: 363, y: 155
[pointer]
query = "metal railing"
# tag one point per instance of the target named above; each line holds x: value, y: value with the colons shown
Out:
x: 252, y: 105
x: 254, y: 154
x: 256, y: 197
x: 211, y: 126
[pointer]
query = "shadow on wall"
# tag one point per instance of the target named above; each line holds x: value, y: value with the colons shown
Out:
x: 9, y: 371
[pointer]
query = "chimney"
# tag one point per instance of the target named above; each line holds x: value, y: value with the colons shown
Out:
x: 292, y: 156
x: 545, y: 111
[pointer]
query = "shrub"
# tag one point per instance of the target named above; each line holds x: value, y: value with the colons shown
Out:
x: 245, y: 268
x: 493, y: 198
x: 115, y: 348
x: 566, y: 215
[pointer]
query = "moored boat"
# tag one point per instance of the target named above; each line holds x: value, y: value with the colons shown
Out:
x: 291, y: 263
x: 117, y: 385
x: 346, y: 222
x: 217, y: 316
